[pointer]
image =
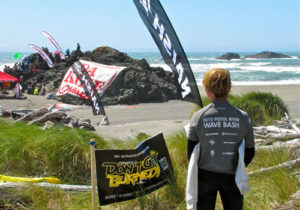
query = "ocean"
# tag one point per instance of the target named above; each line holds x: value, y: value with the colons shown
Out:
x: 243, y: 71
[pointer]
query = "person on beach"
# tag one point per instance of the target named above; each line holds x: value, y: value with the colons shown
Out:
x: 42, y: 91
x: 219, y: 128
x: 36, y: 90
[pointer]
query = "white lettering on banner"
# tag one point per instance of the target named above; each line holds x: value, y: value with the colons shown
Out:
x: 168, y: 45
x: 147, y: 6
x: 185, y: 87
x: 174, y: 56
x: 180, y: 70
x: 164, y: 37
x: 161, y: 27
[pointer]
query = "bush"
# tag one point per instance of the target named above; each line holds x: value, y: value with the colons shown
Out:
x: 273, y: 104
x: 252, y: 107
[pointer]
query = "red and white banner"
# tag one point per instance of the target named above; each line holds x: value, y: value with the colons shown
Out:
x: 102, y: 76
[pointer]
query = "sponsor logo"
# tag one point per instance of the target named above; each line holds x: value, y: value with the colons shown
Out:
x: 132, y: 172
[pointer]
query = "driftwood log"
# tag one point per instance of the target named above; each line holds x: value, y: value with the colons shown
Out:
x: 268, y: 135
x: 292, y: 144
x: 288, y: 164
x: 51, y: 116
x: 292, y: 124
x: 33, y: 114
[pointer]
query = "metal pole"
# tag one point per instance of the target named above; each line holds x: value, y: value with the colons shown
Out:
x: 93, y: 174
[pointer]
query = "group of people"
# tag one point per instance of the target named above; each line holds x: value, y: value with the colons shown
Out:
x: 7, y: 69
x: 39, y: 90
x: 218, y: 130
x: 35, y: 89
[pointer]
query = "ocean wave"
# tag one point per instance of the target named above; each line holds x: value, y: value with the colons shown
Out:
x: 260, y: 64
x: 164, y: 66
x: 202, y: 67
x: 237, y: 67
x: 292, y: 57
x: 271, y: 68
x: 196, y: 59
x: 279, y: 82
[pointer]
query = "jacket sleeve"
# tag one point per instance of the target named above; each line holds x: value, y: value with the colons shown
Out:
x: 249, y: 138
x: 190, y: 148
x: 249, y: 155
x: 192, y: 138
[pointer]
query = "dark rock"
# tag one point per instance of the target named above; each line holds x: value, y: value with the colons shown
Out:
x: 137, y: 83
x: 229, y: 56
x: 108, y: 56
x: 267, y: 54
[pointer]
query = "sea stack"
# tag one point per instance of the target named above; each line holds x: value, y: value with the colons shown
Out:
x: 267, y: 55
x: 229, y: 56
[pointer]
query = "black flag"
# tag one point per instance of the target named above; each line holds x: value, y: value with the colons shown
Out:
x: 161, y: 30
x: 88, y: 87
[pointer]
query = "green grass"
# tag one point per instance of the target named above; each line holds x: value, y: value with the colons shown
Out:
x: 60, y: 152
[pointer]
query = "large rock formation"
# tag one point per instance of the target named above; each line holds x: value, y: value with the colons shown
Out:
x: 137, y: 83
x: 267, y: 54
x: 229, y: 56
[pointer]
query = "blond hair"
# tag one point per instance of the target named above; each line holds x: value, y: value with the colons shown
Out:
x: 217, y: 80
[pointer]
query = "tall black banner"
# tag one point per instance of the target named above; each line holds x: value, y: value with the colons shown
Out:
x: 126, y: 174
x: 89, y: 87
x: 161, y: 30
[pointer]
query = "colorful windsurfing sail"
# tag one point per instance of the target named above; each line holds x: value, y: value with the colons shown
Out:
x: 55, y: 44
x: 163, y: 33
x: 43, y: 54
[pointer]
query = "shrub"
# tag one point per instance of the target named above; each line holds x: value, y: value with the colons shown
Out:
x: 273, y: 104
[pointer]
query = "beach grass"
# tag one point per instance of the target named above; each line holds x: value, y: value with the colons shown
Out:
x: 64, y: 153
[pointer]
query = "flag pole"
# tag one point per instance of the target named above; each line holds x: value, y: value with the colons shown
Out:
x: 93, y: 174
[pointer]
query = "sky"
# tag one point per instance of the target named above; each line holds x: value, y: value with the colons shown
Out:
x: 201, y: 25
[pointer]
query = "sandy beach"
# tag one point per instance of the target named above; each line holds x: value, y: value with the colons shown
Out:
x: 152, y: 118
